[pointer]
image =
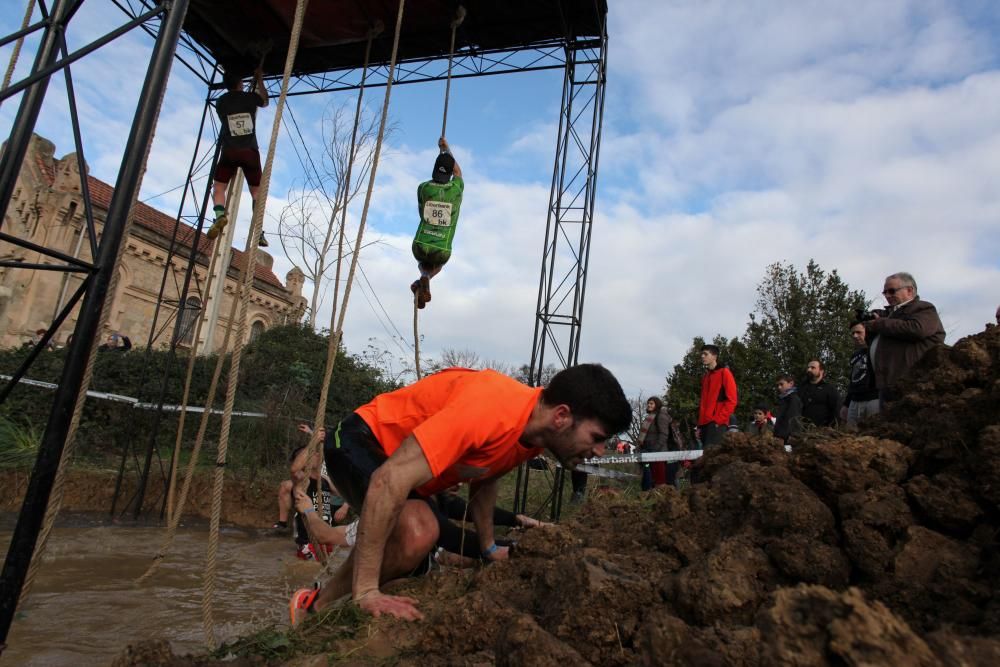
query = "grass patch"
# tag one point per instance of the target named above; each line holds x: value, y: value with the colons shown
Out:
x: 18, y: 444
x: 317, y: 635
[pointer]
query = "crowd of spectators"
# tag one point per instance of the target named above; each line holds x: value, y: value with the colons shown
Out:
x: 888, y: 342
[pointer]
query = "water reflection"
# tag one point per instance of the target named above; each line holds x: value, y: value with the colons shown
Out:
x: 84, y: 607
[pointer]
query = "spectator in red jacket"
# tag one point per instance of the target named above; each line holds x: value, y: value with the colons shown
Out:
x: 718, y: 397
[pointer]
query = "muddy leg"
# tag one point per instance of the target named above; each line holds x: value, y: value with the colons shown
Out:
x: 415, y: 534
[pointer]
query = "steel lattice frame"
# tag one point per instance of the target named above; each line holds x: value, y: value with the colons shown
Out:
x: 52, y: 57
x: 566, y: 252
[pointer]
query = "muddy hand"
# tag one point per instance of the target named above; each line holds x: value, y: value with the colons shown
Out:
x: 302, y: 501
x: 398, y: 606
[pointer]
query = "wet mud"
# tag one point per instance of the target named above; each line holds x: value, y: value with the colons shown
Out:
x: 879, y: 547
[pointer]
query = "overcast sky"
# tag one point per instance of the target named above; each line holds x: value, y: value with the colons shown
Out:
x: 736, y: 134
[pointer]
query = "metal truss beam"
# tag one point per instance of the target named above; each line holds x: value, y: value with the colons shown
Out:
x: 94, y: 295
x: 562, y: 284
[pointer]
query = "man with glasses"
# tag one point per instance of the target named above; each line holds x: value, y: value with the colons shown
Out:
x: 901, y: 333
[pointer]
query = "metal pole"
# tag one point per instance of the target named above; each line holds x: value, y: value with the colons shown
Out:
x: 31, y: 105
x: 29, y: 522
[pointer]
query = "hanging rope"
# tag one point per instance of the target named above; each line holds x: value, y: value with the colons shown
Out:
x: 333, y: 345
x: 336, y: 333
x: 457, y: 21
x: 177, y: 510
x: 459, y: 17
x: 234, y: 365
x: 59, y: 483
x: 416, y: 339
x: 17, y: 46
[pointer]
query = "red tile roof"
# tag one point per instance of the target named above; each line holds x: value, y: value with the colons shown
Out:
x: 162, y: 224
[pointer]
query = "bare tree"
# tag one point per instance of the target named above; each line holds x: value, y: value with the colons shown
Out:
x: 450, y: 358
x: 309, y: 226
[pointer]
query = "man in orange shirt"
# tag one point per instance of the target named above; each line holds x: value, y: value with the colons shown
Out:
x: 454, y: 426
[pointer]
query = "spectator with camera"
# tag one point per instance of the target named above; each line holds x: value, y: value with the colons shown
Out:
x: 901, y: 333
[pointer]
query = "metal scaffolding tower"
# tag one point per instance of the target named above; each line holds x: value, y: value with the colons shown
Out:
x: 566, y: 251
x: 53, y: 56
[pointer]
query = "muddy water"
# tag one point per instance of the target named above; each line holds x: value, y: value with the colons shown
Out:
x: 84, y: 607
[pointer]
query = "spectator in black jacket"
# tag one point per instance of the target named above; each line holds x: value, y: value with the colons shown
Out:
x: 788, y: 420
x: 862, y: 394
x: 820, y: 399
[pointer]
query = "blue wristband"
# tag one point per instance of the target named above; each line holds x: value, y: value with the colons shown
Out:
x: 309, y: 509
x: 490, y: 550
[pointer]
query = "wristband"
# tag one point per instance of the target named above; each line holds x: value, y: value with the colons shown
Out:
x: 308, y: 510
x: 489, y: 551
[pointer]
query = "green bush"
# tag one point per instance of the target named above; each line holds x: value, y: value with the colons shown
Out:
x: 280, y: 375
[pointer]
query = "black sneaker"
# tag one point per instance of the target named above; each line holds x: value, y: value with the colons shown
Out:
x: 262, y: 241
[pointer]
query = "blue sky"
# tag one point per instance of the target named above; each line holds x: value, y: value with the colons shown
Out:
x: 737, y: 134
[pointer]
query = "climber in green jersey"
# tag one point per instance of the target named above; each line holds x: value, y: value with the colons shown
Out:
x: 439, y: 201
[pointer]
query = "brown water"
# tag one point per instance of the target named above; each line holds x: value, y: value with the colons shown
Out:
x: 84, y: 607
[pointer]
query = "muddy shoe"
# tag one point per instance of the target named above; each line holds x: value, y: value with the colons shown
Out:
x: 262, y: 242
x: 278, y: 529
x: 301, y: 604
x: 217, y: 227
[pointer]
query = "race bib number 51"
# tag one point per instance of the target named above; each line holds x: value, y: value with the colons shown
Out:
x: 240, y: 124
x: 437, y: 213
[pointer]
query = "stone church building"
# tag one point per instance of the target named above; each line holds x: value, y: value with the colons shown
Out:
x: 48, y: 210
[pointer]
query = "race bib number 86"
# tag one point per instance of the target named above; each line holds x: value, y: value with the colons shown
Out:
x: 240, y: 124
x: 437, y: 213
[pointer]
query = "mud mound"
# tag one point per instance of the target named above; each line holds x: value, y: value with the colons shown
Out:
x: 878, y: 547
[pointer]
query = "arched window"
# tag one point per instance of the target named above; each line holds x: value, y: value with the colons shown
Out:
x: 189, y: 319
x: 256, y: 329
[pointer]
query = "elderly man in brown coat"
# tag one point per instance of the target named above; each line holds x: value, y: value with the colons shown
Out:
x: 901, y: 333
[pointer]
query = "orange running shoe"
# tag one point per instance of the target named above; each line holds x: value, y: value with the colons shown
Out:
x: 301, y: 604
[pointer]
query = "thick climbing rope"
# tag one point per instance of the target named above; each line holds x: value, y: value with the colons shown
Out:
x: 177, y: 511
x: 234, y: 365
x: 333, y: 345
x: 59, y: 483
x: 336, y: 334
x: 17, y: 46
x: 374, y: 169
x: 457, y: 21
x: 232, y: 197
x: 459, y: 17
x: 416, y: 340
